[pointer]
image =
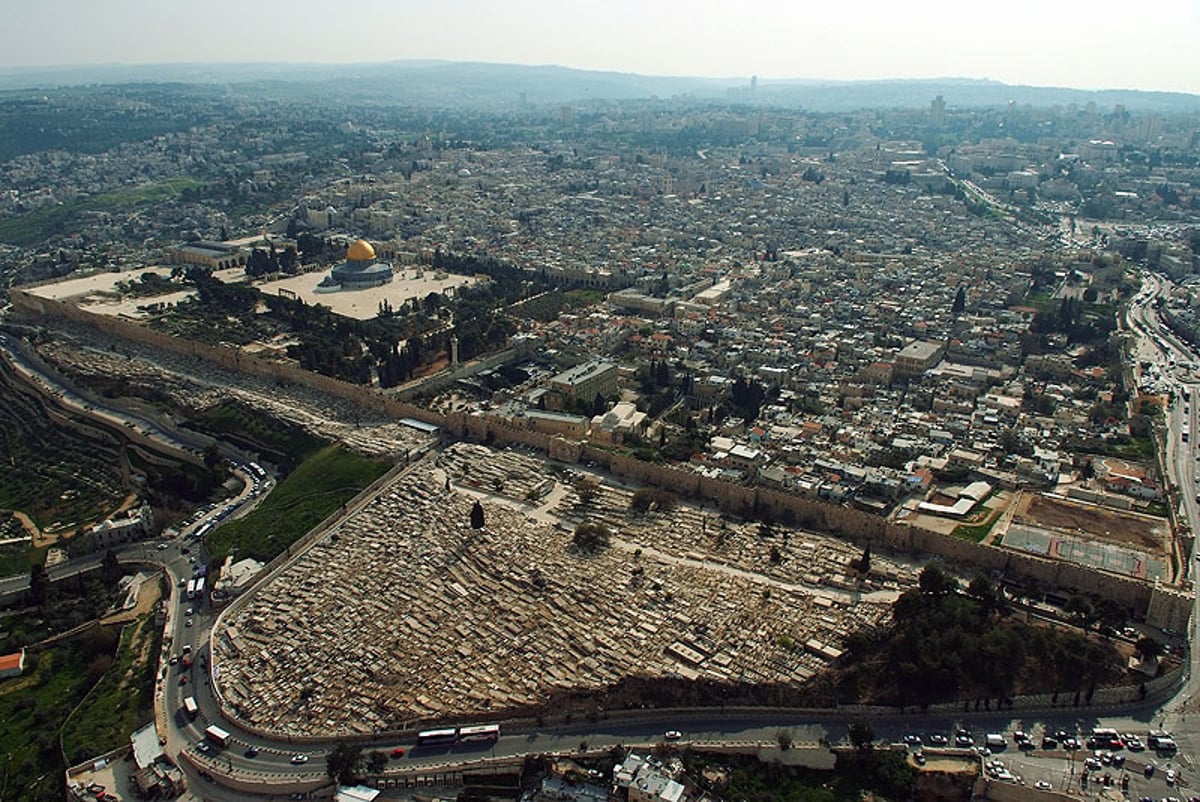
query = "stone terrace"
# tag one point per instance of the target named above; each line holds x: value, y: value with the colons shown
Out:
x: 404, y: 613
x: 199, y: 384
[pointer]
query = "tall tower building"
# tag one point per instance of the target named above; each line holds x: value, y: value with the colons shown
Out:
x: 753, y: 85
x: 937, y: 111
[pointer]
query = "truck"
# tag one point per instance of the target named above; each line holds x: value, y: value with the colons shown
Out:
x: 189, y: 707
x: 995, y: 741
x: 217, y: 735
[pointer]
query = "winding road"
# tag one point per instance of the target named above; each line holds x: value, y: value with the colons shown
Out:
x: 271, y: 770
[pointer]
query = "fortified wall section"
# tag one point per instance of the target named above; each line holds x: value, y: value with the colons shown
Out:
x: 1160, y: 605
x: 453, y: 373
x: 30, y: 305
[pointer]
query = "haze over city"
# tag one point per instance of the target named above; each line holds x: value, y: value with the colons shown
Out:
x: 581, y: 402
x: 1088, y: 46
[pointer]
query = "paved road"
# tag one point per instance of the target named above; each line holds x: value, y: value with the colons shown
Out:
x: 274, y: 758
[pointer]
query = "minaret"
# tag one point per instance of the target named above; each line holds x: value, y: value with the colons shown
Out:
x: 454, y: 350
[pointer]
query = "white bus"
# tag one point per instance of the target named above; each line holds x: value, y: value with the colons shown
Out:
x: 479, y: 732
x: 217, y: 735
x: 447, y: 735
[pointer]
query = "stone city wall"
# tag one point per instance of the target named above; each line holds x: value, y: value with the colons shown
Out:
x: 1161, y: 606
x: 229, y: 358
x: 444, y: 378
x: 1165, y: 606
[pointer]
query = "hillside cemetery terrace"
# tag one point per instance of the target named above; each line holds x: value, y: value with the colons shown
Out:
x: 404, y: 614
x: 198, y: 384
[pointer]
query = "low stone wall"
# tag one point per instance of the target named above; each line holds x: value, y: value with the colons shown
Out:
x: 314, y: 783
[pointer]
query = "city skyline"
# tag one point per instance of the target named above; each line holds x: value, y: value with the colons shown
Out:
x: 1069, y: 45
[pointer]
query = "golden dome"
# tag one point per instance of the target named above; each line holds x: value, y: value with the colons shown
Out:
x: 360, y: 251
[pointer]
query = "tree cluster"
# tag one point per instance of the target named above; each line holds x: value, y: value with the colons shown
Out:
x: 267, y: 262
x: 590, y: 537
x: 747, y: 396
x: 646, y: 498
x: 1070, y: 317
x: 945, y: 644
x: 344, y: 763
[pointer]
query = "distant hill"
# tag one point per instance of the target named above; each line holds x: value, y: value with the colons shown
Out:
x: 962, y: 93
x: 442, y: 83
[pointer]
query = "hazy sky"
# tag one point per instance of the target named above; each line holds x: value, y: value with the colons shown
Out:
x: 1148, y: 44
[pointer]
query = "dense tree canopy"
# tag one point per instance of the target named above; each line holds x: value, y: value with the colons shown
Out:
x: 946, y: 644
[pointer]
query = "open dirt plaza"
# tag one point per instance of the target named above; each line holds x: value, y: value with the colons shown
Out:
x: 1087, y: 534
x: 1143, y: 532
x: 98, y: 292
x: 362, y: 304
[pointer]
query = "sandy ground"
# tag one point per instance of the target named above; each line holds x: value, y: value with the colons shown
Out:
x: 409, y: 283
x: 1141, y: 532
x: 96, y: 283
x: 148, y: 596
x: 40, y: 538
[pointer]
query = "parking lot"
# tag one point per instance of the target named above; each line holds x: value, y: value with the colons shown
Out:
x: 1061, y: 759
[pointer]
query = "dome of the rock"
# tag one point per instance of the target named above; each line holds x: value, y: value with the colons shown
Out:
x: 361, y: 269
x: 360, y: 251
